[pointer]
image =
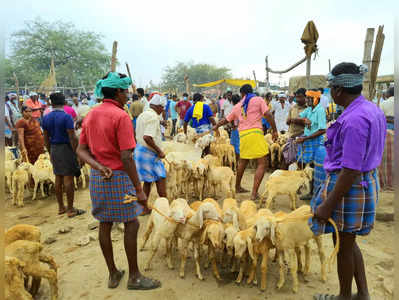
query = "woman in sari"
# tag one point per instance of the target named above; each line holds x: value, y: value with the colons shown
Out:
x: 30, y: 136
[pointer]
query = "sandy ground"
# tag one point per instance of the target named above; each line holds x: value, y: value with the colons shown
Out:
x: 83, y: 274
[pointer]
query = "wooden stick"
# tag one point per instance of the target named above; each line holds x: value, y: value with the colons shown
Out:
x: 256, y: 83
x: 379, y: 43
x: 113, y: 58
x: 130, y: 75
x: 286, y: 70
x: 368, y: 44
x: 308, y: 63
x: 329, y: 65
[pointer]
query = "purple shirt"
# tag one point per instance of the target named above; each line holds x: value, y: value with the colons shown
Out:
x: 356, y: 140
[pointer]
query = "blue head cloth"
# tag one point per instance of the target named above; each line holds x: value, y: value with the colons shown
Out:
x: 112, y: 81
x: 347, y: 80
x: 246, y: 102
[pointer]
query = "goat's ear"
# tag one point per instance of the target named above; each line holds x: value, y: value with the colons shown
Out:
x: 250, y: 248
x: 273, y: 233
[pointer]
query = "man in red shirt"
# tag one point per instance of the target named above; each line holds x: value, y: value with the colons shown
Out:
x: 106, y: 144
x: 182, y: 107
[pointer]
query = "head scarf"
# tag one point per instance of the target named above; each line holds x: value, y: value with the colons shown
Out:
x: 282, y: 95
x: 112, y: 81
x: 11, y: 95
x: 157, y: 99
x: 244, y: 108
x: 347, y: 80
x: 315, y: 95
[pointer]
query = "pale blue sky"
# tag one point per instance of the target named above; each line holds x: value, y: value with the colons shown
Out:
x: 235, y: 34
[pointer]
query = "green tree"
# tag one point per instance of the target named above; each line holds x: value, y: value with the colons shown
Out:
x: 173, y: 76
x: 79, y: 56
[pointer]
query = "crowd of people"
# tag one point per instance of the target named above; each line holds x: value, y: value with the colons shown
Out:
x: 121, y: 139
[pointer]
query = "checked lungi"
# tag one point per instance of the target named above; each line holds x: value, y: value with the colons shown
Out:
x: 235, y: 140
x: 107, y: 197
x: 355, y: 212
x: 203, y: 128
x: 306, y: 150
x: 319, y: 175
x: 289, y: 151
x: 149, y: 167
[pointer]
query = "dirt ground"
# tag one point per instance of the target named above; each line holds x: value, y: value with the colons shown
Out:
x: 83, y: 274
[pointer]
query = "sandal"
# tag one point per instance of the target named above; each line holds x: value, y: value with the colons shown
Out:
x: 242, y: 190
x: 143, y: 283
x: 77, y: 212
x: 326, y: 297
x: 114, y: 282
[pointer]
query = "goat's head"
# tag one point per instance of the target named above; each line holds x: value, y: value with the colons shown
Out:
x: 265, y: 228
x: 230, y: 233
x: 215, y: 233
x: 178, y: 215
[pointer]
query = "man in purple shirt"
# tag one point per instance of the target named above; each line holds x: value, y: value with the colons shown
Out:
x: 354, y: 146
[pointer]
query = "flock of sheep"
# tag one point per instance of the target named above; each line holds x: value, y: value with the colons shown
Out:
x: 236, y: 235
x: 18, y: 174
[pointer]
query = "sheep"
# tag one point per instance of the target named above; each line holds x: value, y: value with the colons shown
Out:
x: 42, y: 171
x: 232, y: 214
x: 213, y: 161
x: 212, y: 235
x: 248, y: 209
x: 284, y: 185
x: 180, y: 138
x: 198, y: 177
x: 84, y: 171
x: 24, y: 232
x: 30, y: 254
x: 162, y: 227
x: 244, y: 242
x: 287, y: 233
x: 190, y: 231
x: 204, y: 141
x: 9, y: 167
x: 14, y: 288
x: 223, y: 177
x: 19, y: 180
x: 269, y: 139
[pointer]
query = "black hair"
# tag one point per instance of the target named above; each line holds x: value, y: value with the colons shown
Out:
x: 140, y: 91
x: 390, y: 92
x: 135, y: 97
x: 108, y: 92
x: 246, y: 89
x: 300, y: 91
x: 24, y: 107
x: 235, y: 99
x: 57, y: 99
x: 229, y: 92
x: 197, y: 97
x: 185, y: 95
x: 268, y: 94
x: 321, y: 90
x: 348, y: 68
x: 174, y: 96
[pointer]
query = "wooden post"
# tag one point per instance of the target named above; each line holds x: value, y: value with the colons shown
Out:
x: 267, y: 74
x: 130, y: 75
x: 379, y: 43
x: 256, y: 83
x: 368, y: 44
x: 187, y: 82
x: 308, y: 62
x: 113, y: 58
x: 329, y: 65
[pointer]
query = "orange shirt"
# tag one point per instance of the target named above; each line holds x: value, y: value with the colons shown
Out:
x: 32, y: 105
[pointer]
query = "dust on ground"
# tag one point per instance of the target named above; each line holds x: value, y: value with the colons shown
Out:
x: 83, y: 274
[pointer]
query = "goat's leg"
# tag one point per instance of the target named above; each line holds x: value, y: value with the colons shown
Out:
x: 48, y: 260
x: 197, y: 260
x: 269, y: 199
x: 281, y: 281
x: 75, y: 182
x: 322, y: 257
x: 252, y: 270
x: 299, y: 259
x: 276, y: 254
x: 83, y: 180
x: 156, y: 239
x: 14, y: 192
x: 35, y: 190
x: 169, y: 253
x: 206, y: 264
x: 294, y: 270
x: 147, y: 233
x: 242, y: 267
x: 233, y: 264
x: 263, y: 268
x: 184, y: 250
x: 307, y: 259
x: 20, y: 196
x: 50, y: 275
x: 34, y: 288
x: 42, y: 189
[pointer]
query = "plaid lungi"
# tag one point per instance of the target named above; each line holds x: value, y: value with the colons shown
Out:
x: 149, y: 167
x: 235, y: 140
x: 320, y: 174
x: 355, y: 213
x: 385, y: 170
x: 107, y: 197
x: 306, y: 150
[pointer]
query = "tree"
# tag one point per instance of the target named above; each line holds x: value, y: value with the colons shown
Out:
x: 173, y: 77
x: 79, y: 56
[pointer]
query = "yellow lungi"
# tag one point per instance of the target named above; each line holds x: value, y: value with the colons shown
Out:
x: 253, y: 144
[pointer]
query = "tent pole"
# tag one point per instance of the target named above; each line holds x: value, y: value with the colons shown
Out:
x: 308, y: 62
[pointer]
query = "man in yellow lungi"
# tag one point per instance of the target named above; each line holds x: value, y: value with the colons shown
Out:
x: 249, y: 112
